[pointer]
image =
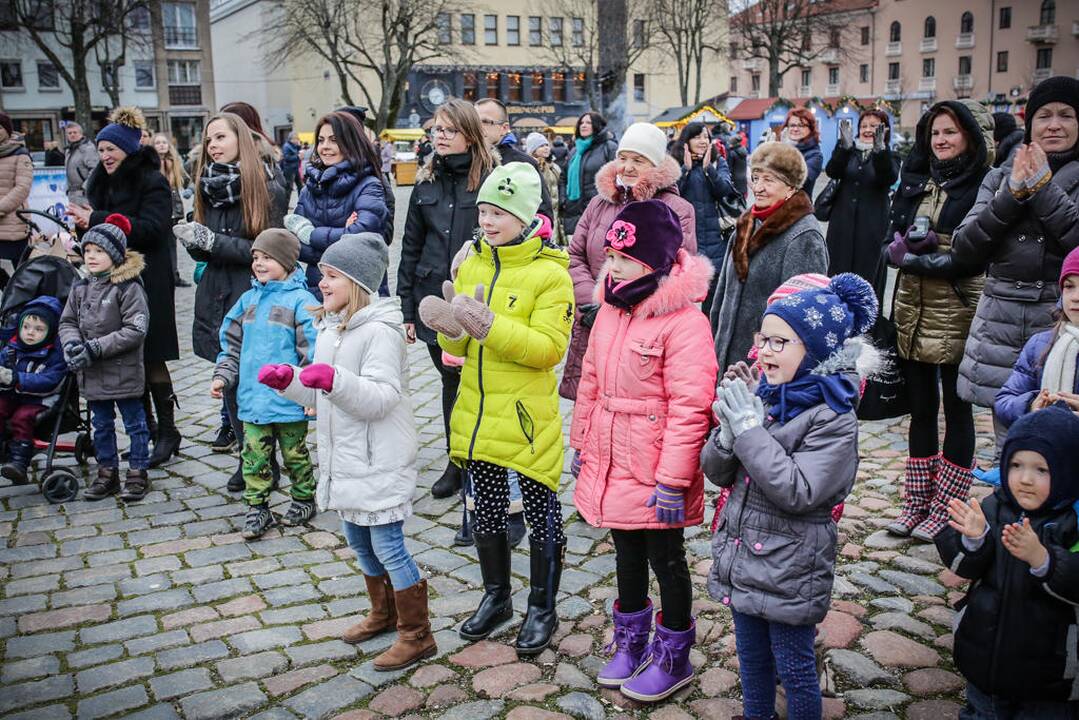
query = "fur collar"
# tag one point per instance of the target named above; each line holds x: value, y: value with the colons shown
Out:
x: 129, y: 269
x: 652, y: 182
x: 130, y: 171
x: 748, y: 241
x: 686, y: 284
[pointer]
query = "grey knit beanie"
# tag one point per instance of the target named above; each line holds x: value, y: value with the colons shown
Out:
x: 281, y: 245
x: 363, y: 258
x: 110, y: 236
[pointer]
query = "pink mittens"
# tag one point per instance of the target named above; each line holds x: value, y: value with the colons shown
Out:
x: 277, y: 377
x: 318, y: 377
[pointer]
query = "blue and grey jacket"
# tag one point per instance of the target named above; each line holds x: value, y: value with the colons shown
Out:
x: 38, y: 371
x: 270, y: 323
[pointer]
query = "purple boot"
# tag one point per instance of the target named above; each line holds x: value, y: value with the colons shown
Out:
x: 631, y: 632
x: 667, y: 668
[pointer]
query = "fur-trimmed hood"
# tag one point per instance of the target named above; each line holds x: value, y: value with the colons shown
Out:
x: 129, y: 269
x: 653, y: 181
x: 686, y: 284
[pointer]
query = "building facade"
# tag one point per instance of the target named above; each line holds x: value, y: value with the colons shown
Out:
x: 168, y: 73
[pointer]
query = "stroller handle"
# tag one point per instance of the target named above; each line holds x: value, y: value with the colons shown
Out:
x: 27, y: 214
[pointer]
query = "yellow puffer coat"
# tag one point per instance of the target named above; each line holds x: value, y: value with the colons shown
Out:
x: 506, y: 410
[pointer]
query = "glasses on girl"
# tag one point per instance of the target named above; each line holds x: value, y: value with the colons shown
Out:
x: 774, y: 342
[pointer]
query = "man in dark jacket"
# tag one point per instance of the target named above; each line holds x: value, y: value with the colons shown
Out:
x: 496, y: 130
x: 1008, y: 135
x: 290, y: 162
x: 560, y: 152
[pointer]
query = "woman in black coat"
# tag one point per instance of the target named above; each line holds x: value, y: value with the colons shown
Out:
x: 803, y: 131
x: 128, y: 181
x: 593, y: 148
x: 865, y: 168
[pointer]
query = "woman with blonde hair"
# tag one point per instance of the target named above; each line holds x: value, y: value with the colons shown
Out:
x: 442, y: 216
x: 236, y: 198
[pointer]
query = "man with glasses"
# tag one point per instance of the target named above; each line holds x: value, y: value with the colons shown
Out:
x: 495, y: 122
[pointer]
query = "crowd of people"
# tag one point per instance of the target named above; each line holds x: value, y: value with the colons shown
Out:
x: 516, y: 258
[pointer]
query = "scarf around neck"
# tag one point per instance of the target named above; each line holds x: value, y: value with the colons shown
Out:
x: 1058, y: 375
x: 750, y: 237
x: 789, y: 400
x: 220, y: 183
x: 573, y: 178
x: 944, y: 171
x: 1060, y: 159
x: 627, y: 295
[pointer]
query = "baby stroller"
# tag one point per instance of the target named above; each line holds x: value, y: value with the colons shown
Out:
x: 48, y: 274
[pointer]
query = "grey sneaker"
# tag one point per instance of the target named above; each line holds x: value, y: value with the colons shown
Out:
x: 259, y: 519
x: 299, y: 512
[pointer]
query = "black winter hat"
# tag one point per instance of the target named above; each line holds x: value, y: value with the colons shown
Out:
x: 1054, y: 434
x: 1003, y: 125
x: 1059, y: 88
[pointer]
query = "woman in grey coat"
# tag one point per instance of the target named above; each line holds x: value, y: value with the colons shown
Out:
x: 775, y: 239
x: 1023, y: 223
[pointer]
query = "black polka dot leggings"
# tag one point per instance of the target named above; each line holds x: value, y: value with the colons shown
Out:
x: 491, y: 498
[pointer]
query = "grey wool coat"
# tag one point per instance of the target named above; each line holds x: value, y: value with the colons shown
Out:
x: 739, y: 306
x: 1024, y: 243
x: 773, y: 552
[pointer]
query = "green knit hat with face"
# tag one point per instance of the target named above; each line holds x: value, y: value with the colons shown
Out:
x: 515, y: 188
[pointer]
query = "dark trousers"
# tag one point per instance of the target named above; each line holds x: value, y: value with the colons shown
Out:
x: 103, y: 418
x: 664, y: 551
x: 926, y: 383
x: 18, y: 417
x: 451, y: 378
x: 767, y: 649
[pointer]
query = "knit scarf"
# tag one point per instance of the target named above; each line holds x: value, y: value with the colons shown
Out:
x: 944, y: 170
x: 220, y: 184
x: 573, y: 178
x: 1060, y: 159
x: 1059, y: 372
x: 789, y: 400
x: 863, y: 147
x: 628, y: 294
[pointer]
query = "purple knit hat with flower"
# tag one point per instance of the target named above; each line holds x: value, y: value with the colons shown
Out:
x: 647, y: 231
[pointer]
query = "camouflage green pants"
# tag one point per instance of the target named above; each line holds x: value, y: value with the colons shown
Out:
x: 256, y: 453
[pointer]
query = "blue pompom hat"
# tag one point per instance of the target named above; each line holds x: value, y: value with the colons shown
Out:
x: 825, y: 318
x: 124, y: 129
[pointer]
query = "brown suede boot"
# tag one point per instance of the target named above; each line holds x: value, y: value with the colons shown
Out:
x: 414, y: 639
x: 383, y: 615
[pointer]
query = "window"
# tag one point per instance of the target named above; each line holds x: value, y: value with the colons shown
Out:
x: 469, y: 87
x: 494, y: 80
x: 893, y: 71
x: 863, y: 73
x: 964, y: 64
x: 1005, y: 18
x: 755, y: 83
x: 639, y: 40
x: 733, y: 55
x: 558, y: 87
x: 144, y: 74
x: 535, y: 30
x: 40, y: 12
x: 554, y: 27
x: 1044, y: 60
x: 468, y: 29
x: 444, y: 26
x: 537, y: 86
x: 834, y: 37
x: 513, y: 29
x: 1002, y: 61
x: 895, y: 32
x: 580, y: 85
x: 139, y: 18
x: 181, y: 30
x: 638, y: 87
x: 734, y: 84
x: 865, y: 34
x: 930, y: 27
x: 966, y: 23
x: 578, y: 31
x: 929, y: 68
x: 1048, y: 13
x: 514, y: 82
x: 47, y: 76
x: 807, y: 77
x: 833, y: 75
x: 490, y: 29
x: 11, y: 75
x: 183, y: 72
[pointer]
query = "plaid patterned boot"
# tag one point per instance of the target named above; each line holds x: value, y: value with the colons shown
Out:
x: 952, y: 482
x: 917, y: 494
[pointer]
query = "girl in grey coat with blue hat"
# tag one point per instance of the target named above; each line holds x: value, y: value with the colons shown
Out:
x: 788, y: 449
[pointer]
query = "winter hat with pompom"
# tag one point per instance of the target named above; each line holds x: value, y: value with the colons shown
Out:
x: 110, y: 236
x: 124, y: 129
x: 825, y: 318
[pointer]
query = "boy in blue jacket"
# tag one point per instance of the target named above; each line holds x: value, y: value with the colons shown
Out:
x: 270, y: 323
x: 31, y: 369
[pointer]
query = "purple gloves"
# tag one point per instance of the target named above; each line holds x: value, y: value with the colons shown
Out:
x: 926, y: 245
x: 318, y: 377
x: 901, y: 245
x: 575, y: 464
x: 277, y: 377
x: 897, y: 248
x: 670, y: 504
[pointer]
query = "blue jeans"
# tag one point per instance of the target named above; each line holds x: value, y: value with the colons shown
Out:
x: 766, y: 649
x: 381, y: 550
x: 103, y: 418
x: 989, y: 707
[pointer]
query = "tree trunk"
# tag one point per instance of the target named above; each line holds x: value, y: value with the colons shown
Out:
x: 775, y: 80
x: 81, y: 93
x: 611, y: 20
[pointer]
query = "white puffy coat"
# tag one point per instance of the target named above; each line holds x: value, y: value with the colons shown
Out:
x: 367, y: 439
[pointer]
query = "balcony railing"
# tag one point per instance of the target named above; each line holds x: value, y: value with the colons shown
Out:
x: 928, y: 45
x: 753, y: 64
x: 830, y: 56
x: 963, y: 83
x: 964, y: 41
x: 1042, y: 34
x: 185, y: 94
x: 893, y: 87
x: 927, y: 84
x: 831, y: 90
x: 894, y: 49
x: 753, y: 94
x: 804, y: 91
x: 1042, y: 74
x: 181, y: 37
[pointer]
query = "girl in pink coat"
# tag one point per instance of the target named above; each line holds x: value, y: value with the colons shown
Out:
x: 641, y: 419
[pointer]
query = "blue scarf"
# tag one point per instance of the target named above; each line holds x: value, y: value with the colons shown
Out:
x: 573, y: 180
x: 789, y: 400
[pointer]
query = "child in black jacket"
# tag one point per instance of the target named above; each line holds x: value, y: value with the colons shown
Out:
x: 1015, y: 636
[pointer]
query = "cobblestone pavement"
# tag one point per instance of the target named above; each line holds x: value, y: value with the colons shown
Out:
x: 159, y: 609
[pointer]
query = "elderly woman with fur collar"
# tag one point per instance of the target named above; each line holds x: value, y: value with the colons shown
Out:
x: 775, y: 240
x: 641, y: 170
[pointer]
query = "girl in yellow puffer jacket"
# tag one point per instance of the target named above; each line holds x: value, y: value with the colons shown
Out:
x: 509, y: 314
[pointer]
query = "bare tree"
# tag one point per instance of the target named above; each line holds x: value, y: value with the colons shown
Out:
x: 68, y: 31
x: 687, y: 31
x: 787, y: 34
x: 371, y: 46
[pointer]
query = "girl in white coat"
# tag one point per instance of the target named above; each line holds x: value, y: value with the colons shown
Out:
x: 367, y: 440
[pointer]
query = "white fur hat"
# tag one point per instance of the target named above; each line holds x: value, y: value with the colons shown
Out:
x: 645, y: 139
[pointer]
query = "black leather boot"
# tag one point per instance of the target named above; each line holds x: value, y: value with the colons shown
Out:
x: 541, y: 620
x: 449, y: 484
x: 496, y: 605
x: 19, y: 454
x: 167, y: 440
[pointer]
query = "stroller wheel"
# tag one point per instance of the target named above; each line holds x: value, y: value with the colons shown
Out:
x: 84, y: 448
x: 60, y: 486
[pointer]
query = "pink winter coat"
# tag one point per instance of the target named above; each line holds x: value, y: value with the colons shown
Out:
x: 586, y: 254
x: 644, y: 405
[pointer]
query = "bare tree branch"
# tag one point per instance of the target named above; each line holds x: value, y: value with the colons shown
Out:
x: 686, y: 31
